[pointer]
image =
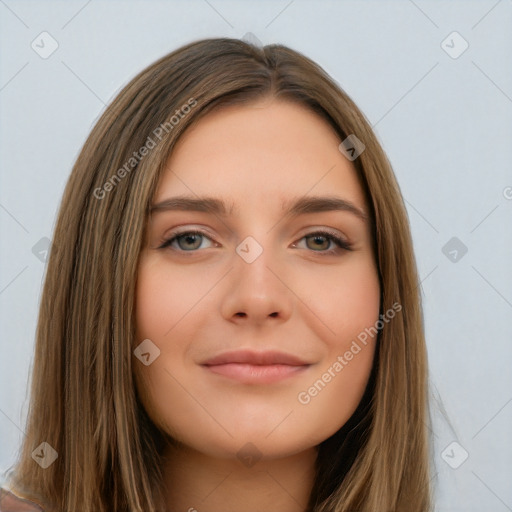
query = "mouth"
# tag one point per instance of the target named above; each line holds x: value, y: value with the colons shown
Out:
x: 256, y: 367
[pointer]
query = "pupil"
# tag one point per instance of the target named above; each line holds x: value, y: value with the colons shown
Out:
x: 318, y: 239
x: 189, y: 239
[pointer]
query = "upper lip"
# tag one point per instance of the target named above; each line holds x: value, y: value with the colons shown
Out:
x: 256, y: 358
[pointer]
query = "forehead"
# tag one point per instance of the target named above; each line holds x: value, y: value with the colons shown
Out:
x: 261, y: 153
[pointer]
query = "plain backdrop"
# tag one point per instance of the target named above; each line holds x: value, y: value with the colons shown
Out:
x: 434, y: 79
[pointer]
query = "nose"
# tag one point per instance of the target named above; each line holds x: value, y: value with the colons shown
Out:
x: 257, y: 292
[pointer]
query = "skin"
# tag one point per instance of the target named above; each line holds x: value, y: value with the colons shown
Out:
x: 198, y: 298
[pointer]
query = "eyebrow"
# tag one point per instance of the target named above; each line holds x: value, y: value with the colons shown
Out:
x: 293, y: 208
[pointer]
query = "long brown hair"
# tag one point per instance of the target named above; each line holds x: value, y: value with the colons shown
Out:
x: 84, y: 402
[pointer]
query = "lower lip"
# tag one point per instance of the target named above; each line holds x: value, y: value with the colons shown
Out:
x: 256, y: 374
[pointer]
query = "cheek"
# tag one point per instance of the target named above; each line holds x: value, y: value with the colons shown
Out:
x: 356, y: 304
x: 167, y: 310
x: 345, y: 302
x: 164, y: 296
x: 345, y: 318
x: 159, y: 305
x: 333, y: 394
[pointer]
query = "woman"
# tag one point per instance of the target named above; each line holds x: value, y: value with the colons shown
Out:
x: 231, y: 316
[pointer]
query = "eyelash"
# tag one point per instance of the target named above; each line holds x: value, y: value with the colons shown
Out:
x: 340, y: 242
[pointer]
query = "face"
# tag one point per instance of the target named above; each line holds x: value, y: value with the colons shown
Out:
x: 252, y: 305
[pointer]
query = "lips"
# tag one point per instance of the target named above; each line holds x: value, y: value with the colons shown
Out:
x: 269, y: 357
x: 256, y: 367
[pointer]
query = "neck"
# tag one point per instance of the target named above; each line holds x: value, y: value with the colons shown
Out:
x: 195, y: 482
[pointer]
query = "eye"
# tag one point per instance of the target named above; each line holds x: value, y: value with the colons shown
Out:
x: 323, y: 241
x: 318, y: 241
x: 187, y: 240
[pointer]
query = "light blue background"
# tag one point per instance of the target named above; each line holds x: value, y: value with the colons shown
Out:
x: 444, y: 122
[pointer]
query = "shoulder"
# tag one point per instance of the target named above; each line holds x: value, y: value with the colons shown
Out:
x: 11, y: 503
